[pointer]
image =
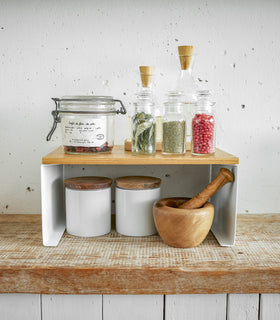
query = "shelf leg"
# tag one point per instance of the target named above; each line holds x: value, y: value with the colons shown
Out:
x: 52, y: 204
x: 225, y: 203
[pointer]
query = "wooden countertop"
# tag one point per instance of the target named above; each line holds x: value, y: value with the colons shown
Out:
x: 120, y: 156
x: 115, y: 264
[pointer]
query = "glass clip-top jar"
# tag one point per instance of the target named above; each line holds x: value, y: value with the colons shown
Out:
x: 203, y: 125
x: 87, y: 123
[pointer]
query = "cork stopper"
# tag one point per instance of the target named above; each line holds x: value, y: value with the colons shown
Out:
x: 185, y: 54
x: 146, y: 73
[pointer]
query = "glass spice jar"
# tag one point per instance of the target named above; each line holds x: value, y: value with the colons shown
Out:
x: 203, y: 125
x: 174, y: 125
x: 147, y: 76
x: 143, y: 124
x: 87, y: 123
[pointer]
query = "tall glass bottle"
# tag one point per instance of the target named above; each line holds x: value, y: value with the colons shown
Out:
x: 174, y: 125
x: 147, y: 76
x: 143, y: 126
x: 203, y: 125
x: 146, y: 93
x: 186, y: 84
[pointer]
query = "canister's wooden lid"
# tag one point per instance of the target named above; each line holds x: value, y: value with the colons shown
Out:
x: 88, y: 183
x: 137, y: 182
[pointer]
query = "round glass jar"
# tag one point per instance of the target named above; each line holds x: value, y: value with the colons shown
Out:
x: 88, y: 206
x: 203, y: 125
x: 143, y: 124
x: 174, y: 125
x: 135, y: 196
x: 87, y: 123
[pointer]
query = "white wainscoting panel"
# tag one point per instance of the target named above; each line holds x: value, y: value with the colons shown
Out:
x: 71, y: 307
x: 195, y: 307
x: 140, y: 307
x: 243, y: 307
x: 136, y: 307
x: 17, y: 306
x: 270, y: 307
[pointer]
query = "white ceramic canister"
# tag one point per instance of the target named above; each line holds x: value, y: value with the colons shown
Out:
x: 135, y: 196
x: 88, y: 206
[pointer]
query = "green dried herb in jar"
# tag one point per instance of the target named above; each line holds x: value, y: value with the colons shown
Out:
x: 174, y: 125
x: 174, y: 136
x: 143, y: 133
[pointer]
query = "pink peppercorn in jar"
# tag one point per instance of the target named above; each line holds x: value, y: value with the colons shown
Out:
x: 87, y: 123
x: 203, y: 125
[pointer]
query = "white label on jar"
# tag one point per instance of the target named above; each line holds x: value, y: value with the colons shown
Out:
x: 84, y: 132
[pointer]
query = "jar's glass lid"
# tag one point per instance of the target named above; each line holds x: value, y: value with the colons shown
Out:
x: 145, y: 97
x: 86, y: 100
x: 84, y: 103
x: 174, y: 98
x: 203, y: 98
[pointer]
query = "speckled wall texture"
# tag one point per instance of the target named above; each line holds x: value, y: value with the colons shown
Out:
x: 55, y: 48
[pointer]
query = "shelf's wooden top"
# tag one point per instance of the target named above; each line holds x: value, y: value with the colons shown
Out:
x: 120, y: 156
x: 115, y: 264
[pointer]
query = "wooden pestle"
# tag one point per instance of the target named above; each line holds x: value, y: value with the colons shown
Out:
x: 201, y: 198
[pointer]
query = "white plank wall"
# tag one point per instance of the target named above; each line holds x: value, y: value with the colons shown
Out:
x: 140, y: 307
x: 243, y: 307
x: 128, y: 307
x: 18, y: 306
x: 270, y: 307
x: 195, y: 306
x: 72, y: 307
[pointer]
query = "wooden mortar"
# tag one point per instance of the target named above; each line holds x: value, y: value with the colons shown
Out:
x: 185, y: 223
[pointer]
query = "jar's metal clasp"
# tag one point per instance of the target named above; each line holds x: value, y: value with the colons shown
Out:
x: 56, y: 119
x: 122, y: 109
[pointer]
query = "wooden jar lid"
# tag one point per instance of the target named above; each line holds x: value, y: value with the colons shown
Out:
x: 138, y: 182
x: 88, y: 183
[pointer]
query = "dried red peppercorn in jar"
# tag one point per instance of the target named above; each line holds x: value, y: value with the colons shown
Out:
x: 203, y: 125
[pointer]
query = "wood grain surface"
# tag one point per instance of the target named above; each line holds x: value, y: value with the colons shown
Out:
x: 115, y: 264
x: 88, y: 183
x: 138, y: 182
x: 120, y: 156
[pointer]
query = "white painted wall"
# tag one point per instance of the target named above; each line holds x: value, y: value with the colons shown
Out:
x: 55, y: 48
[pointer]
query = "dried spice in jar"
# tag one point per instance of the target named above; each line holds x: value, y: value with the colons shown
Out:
x: 103, y: 148
x: 174, y: 134
x: 174, y: 125
x: 203, y: 126
x: 143, y: 133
